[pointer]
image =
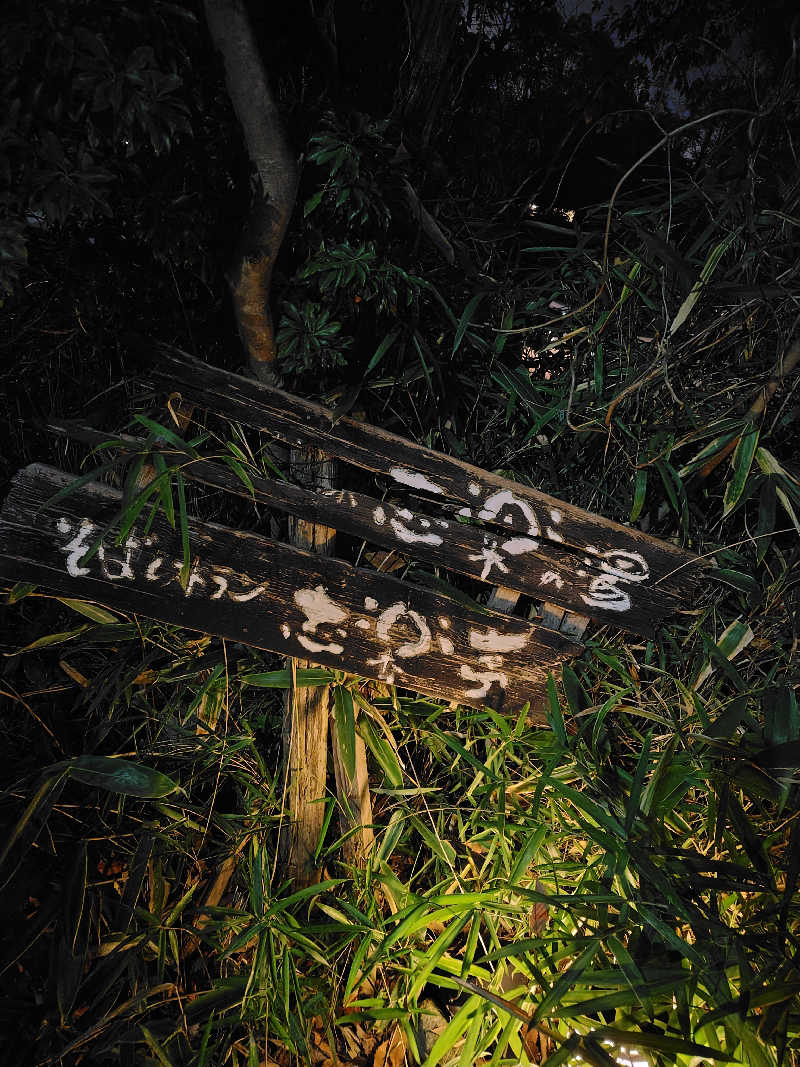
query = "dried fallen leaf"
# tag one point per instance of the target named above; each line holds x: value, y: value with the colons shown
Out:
x: 393, y: 1051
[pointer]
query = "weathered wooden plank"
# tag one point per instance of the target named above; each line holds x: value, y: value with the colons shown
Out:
x: 604, y: 587
x: 259, y: 592
x: 662, y: 574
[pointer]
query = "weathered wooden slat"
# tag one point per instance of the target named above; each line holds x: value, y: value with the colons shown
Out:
x: 579, y: 581
x: 657, y: 576
x: 259, y: 592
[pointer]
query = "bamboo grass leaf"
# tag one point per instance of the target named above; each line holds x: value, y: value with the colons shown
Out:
x: 742, y: 460
x: 344, y: 718
x: 120, y: 776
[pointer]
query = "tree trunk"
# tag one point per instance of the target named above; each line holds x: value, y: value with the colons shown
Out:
x: 276, y: 171
x: 426, y: 76
x: 305, y: 728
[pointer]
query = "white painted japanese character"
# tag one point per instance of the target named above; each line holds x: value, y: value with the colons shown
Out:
x: 114, y: 568
x: 493, y: 641
x: 390, y: 616
x: 319, y: 610
x: 486, y: 680
x: 490, y: 557
x: 77, y: 548
x: 222, y: 585
x: 619, y: 566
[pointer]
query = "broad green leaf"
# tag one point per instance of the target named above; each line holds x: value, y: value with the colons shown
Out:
x: 381, y: 750
x: 91, y: 611
x: 787, y: 507
x: 549, y: 1004
x: 425, y: 963
x: 120, y: 776
x: 742, y: 459
x: 20, y: 591
x: 381, y: 350
x: 502, y: 335
x: 710, y: 265
x: 706, y: 453
x: 303, y: 679
x: 660, y: 1042
x: 554, y: 714
x: 344, y: 718
x: 33, y: 806
x: 161, y: 432
x: 736, y: 636
x: 525, y: 856
x: 464, y: 321
x: 312, y: 202
x: 632, y: 807
x: 639, y: 492
x: 54, y: 639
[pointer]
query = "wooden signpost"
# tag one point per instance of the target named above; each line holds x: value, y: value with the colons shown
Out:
x: 268, y: 594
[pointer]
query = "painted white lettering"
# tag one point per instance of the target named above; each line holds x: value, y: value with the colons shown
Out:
x: 485, y: 679
x: 391, y: 616
x: 242, y: 598
x: 385, y: 667
x: 317, y: 646
x: 517, y: 546
x: 490, y: 557
x: 504, y: 498
x: 410, y: 537
x: 493, y: 641
x: 319, y: 610
x: 194, y: 577
x: 77, y: 548
x: 222, y: 584
x: 114, y: 568
x: 415, y: 480
x: 619, y: 565
x: 551, y: 578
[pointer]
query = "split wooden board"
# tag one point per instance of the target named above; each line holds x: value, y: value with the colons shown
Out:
x: 471, y: 521
x: 264, y: 593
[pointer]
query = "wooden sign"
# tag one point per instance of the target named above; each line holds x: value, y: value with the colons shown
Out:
x: 260, y: 592
x: 463, y: 518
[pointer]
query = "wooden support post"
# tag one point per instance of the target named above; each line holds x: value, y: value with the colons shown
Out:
x: 305, y: 723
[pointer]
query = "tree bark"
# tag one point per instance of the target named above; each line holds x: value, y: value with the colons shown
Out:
x: 276, y: 169
x: 426, y: 75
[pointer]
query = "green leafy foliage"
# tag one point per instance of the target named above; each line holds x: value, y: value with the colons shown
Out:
x: 625, y: 878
